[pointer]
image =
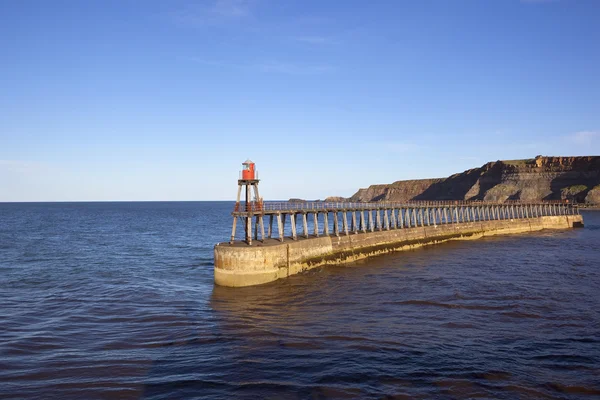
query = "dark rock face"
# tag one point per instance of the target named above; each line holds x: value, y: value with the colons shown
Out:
x: 540, y: 178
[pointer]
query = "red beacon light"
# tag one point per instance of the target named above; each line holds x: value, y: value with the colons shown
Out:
x: 248, y: 171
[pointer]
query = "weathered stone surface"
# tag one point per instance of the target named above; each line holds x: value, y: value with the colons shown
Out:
x: 253, y: 265
x: 540, y: 178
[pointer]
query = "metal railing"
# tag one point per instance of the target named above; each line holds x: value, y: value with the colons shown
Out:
x: 258, y: 206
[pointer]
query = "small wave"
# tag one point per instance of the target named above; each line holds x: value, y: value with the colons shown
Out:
x: 572, y: 389
x: 300, y: 345
x: 519, y: 314
x: 571, y: 358
x: 454, y: 325
x: 449, y: 305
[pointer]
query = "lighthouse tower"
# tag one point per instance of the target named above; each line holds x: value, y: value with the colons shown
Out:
x: 251, y: 206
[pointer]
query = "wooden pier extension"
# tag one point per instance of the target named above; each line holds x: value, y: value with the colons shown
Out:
x: 301, y: 236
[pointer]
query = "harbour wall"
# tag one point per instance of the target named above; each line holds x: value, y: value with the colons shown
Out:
x: 244, y: 265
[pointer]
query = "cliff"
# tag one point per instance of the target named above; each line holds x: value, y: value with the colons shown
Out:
x: 540, y: 178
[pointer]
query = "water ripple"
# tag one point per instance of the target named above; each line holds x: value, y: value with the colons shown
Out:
x: 116, y: 300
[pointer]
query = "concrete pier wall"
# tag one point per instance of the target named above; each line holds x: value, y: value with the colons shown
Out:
x: 260, y: 263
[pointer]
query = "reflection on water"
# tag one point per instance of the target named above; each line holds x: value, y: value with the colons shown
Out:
x: 117, y: 301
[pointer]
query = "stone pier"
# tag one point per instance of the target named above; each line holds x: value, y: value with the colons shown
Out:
x: 367, y: 229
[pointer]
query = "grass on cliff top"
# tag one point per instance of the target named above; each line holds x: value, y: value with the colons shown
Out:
x: 575, y: 188
x: 519, y: 163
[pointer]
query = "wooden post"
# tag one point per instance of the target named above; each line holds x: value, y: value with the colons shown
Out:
x: 394, y: 220
x: 305, y: 225
x: 414, y: 213
x: 248, y: 221
x: 386, y: 219
x: 293, y: 223
x: 378, y: 219
x: 456, y: 214
x: 316, y: 223
x: 233, y: 230
x: 249, y: 228
x: 280, y: 227
x: 345, y: 222
x: 262, y: 228
x: 372, y: 227
x: 363, y: 226
x: 354, y: 225
x: 326, y: 223
x: 270, y: 226
x: 400, y: 218
x: 336, y: 227
x: 237, y: 201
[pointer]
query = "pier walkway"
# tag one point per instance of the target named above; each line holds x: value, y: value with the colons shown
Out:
x: 349, y: 218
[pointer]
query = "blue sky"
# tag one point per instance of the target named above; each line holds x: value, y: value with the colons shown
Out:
x: 163, y: 100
